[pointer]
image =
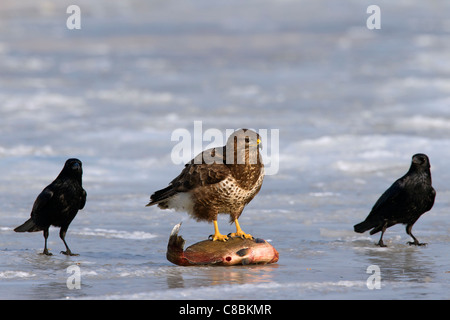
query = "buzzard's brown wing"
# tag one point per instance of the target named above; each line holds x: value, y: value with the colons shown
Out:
x: 198, y: 172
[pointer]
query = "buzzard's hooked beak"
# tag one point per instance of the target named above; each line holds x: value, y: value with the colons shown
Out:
x: 258, y: 144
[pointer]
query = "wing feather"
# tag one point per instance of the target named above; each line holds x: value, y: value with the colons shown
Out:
x: 42, y: 200
x: 391, y: 202
x: 200, y: 171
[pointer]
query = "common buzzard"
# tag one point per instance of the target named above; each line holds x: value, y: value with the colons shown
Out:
x: 218, y: 180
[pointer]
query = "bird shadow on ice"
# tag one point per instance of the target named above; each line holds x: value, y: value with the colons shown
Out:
x: 399, y: 261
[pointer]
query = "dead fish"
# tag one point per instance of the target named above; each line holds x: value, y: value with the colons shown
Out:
x: 233, y: 252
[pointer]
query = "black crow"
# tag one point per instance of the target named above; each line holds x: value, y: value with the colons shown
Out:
x: 404, y: 202
x: 58, y: 204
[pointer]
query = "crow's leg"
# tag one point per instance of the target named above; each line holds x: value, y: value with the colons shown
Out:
x: 62, y: 235
x: 415, y: 242
x: 45, y: 245
x: 381, y: 243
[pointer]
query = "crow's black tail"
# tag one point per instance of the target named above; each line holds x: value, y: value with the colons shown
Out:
x: 363, y: 226
x: 28, y: 226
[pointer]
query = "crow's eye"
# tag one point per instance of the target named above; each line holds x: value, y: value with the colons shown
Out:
x: 75, y: 166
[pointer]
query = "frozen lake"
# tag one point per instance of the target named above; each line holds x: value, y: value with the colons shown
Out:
x: 351, y: 106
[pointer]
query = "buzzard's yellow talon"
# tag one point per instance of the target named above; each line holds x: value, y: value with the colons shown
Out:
x: 217, y: 236
x: 239, y: 233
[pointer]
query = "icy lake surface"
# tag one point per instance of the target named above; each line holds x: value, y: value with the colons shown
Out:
x: 351, y: 106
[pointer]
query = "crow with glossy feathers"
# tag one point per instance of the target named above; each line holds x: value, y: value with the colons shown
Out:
x: 404, y: 202
x: 58, y: 204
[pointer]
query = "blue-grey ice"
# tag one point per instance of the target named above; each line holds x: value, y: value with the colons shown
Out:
x: 351, y: 106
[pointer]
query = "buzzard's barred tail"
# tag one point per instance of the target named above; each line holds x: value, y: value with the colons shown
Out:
x: 161, y: 195
x: 28, y: 226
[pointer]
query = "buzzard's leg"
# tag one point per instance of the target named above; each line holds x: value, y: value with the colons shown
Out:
x: 45, y: 245
x: 239, y: 233
x: 217, y: 236
x: 415, y: 242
